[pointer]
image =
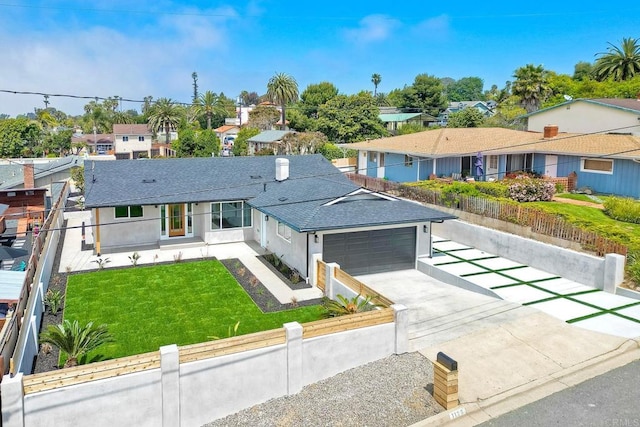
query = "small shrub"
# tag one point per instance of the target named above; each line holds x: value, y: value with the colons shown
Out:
x: 242, y: 271
x: 102, y: 262
x: 53, y: 300
x: 623, y: 209
x: 46, y: 348
x: 67, y: 269
x: 231, y: 332
x: 253, y: 281
x: 634, y: 271
x: 155, y: 259
x: 524, y: 189
x: 295, y: 277
x: 177, y: 257
x: 294, y: 301
x: 342, y: 305
x: 494, y: 189
x: 134, y: 258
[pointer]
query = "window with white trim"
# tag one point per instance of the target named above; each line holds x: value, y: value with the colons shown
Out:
x: 284, y: 231
x: 372, y: 156
x: 225, y: 215
x: 597, y: 165
x: 133, y: 211
x: 408, y: 161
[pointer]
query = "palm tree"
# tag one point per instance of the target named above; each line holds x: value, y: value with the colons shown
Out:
x: 282, y: 89
x: 531, y: 86
x: 165, y: 115
x: 75, y: 340
x: 619, y: 63
x: 375, y: 79
x: 209, y: 104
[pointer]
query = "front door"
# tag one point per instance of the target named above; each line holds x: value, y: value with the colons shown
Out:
x: 551, y: 166
x: 176, y: 220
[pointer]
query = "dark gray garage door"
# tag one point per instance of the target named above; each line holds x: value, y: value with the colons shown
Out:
x: 374, y: 251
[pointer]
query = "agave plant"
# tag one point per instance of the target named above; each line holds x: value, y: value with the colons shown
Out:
x: 342, y: 305
x: 75, y: 340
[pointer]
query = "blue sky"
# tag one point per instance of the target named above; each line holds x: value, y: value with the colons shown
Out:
x: 137, y: 48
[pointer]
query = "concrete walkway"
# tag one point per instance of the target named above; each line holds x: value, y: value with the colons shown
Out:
x: 580, y: 305
x: 73, y: 258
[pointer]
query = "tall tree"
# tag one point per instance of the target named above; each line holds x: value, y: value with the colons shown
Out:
x: 282, y: 89
x: 583, y: 70
x: 619, y: 63
x: 240, y: 144
x: 263, y: 117
x: 465, y: 89
x: 249, y: 98
x: 209, y: 104
x: 315, y: 95
x: 425, y: 94
x: 350, y: 118
x: 375, y: 79
x: 165, y: 115
x: 194, y: 76
x: 531, y: 86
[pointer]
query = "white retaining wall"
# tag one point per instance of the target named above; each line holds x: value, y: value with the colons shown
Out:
x: 194, y: 393
x: 602, y: 273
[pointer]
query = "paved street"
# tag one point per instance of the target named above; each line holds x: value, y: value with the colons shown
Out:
x: 609, y: 400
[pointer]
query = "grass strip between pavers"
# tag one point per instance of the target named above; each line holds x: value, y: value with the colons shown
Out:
x: 589, y: 316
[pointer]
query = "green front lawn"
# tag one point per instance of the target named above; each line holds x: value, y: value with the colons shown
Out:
x: 183, y: 303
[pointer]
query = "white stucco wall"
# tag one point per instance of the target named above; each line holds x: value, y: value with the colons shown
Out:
x: 134, y: 399
x: 124, y: 232
x: 583, y: 117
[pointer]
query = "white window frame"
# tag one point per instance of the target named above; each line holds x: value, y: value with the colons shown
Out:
x: 243, y: 207
x: 583, y: 169
x: 408, y: 161
x: 141, y: 138
x: 283, y: 231
x: 125, y: 138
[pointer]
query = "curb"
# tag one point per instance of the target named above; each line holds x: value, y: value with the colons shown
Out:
x: 473, y: 413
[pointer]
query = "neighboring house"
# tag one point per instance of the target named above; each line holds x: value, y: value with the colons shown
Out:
x: 226, y: 130
x: 132, y: 141
x: 605, y: 115
x: 242, y: 114
x: 298, y: 207
x: 36, y: 173
x: 607, y: 164
x: 268, y: 139
x: 96, y: 144
x: 486, y: 108
x: 394, y: 121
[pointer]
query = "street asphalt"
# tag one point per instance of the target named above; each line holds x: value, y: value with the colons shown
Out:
x: 608, y: 400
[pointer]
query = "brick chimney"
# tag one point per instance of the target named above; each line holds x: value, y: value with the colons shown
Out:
x: 551, y: 131
x: 27, y: 170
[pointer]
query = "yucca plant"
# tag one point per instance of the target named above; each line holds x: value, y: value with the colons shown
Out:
x: 342, y: 305
x: 75, y: 340
x: 53, y: 300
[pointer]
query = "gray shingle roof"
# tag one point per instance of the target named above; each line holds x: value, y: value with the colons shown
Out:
x: 300, y: 201
x: 12, y: 175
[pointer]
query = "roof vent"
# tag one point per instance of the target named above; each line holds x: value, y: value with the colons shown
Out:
x: 282, y: 169
x: 283, y: 199
x: 148, y: 181
x: 255, y: 176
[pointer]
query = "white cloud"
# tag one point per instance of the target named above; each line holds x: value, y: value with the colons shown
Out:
x: 155, y: 59
x: 372, y: 28
x: 438, y: 26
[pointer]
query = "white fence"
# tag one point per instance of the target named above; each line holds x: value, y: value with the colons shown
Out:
x: 196, y: 384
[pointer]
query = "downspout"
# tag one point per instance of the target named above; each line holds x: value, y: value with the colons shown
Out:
x: 307, y: 257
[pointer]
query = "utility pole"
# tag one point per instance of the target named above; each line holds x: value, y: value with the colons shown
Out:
x: 46, y: 102
x: 194, y: 76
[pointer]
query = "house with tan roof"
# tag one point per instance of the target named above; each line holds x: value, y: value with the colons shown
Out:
x: 601, y: 115
x: 606, y: 163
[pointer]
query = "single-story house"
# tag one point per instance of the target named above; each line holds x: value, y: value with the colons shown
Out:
x: 226, y: 130
x: 393, y: 121
x: 486, y: 108
x: 293, y: 206
x: 266, y: 139
x: 36, y: 173
x: 606, y: 163
x: 603, y: 115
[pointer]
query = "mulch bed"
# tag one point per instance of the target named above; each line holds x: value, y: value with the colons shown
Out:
x: 258, y: 292
x: 300, y: 284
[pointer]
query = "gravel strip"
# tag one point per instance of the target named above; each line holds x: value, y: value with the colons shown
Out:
x: 389, y: 392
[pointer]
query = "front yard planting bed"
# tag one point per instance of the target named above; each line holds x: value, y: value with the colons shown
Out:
x: 181, y: 303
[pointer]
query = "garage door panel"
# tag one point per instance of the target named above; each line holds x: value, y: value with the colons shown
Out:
x: 373, y: 251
